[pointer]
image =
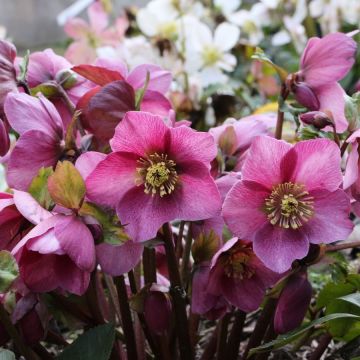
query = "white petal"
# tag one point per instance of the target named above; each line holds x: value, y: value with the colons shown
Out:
x: 212, y: 75
x: 147, y: 22
x: 281, y: 38
x: 226, y: 36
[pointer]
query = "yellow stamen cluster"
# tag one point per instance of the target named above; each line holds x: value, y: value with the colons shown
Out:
x: 158, y: 174
x: 289, y: 206
x: 211, y: 55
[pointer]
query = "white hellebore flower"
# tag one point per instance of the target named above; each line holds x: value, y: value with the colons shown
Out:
x: 3, y: 184
x: 209, y: 54
x: 251, y: 23
x: 227, y: 7
x: 159, y: 18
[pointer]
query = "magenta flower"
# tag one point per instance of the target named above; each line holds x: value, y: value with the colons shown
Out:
x: 89, y: 36
x: 323, y: 63
x: 293, y: 303
x: 352, y: 170
x: 155, y: 174
x: 41, y: 137
x: 288, y: 197
x: 4, y: 139
x: 239, y: 276
x: 58, y: 253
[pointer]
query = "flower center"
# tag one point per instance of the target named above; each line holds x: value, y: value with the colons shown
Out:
x: 236, y: 262
x: 158, y: 174
x: 289, y: 206
x: 211, y: 55
x: 168, y: 30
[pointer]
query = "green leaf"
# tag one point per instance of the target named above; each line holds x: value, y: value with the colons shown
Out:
x: 9, y: 270
x: 66, y: 186
x: 23, y: 66
x: 205, y: 246
x: 6, y: 354
x: 261, y: 56
x: 39, y: 190
x: 49, y: 90
x: 282, y: 340
x: 95, y: 344
x: 332, y: 291
x: 352, y: 299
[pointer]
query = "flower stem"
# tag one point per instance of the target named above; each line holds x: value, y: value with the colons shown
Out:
x: 186, y: 255
x: 93, y: 300
x: 280, y: 114
x: 210, y: 347
x: 13, y: 333
x: 126, y: 318
x: 179, y: 240
x: 349, y: 245
x: 261, y: 325
x: 232, y: 349
x: 322, y: 346
x: 149, y: 265
x: 178, y: 295
x: 222, y: 337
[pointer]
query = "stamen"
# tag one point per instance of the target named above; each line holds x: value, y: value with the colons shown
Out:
x: 158, y: 174
x: 289, y: 206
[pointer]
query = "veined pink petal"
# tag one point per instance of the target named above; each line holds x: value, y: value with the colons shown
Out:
x: 25, y: 112
x: 76, y: 240
x: 331, y: 217
x: 142, y: 127
x: 317, y: 164
x: 243, y: 209
x: 118, y: 259
x: 277, y: 248
x: 328, y: 59
x: 160, y: 79
x: 332, y: 98
x: 263, y: 163
x: 112, y: 178
x: 88, y: 161
x: 33, y: 150
x: 30, y: 208
x: 156, y: 103
x: 352, y: 166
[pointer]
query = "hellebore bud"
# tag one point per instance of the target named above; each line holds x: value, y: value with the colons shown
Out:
x: 66, y: 78
x: 305, y: 96
x: 316, y: 118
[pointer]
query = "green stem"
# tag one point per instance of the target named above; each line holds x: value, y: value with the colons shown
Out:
x: 126, y: 318
x: 13, y: 333
x: 178, y: 295
x: 280, y: 114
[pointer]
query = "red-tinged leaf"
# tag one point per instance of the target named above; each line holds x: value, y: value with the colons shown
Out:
x: 97, y: 74
x: 107, y: 108
x: 66, y: 186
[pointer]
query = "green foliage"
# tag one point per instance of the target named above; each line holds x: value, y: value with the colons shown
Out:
x: 6, y: 354
x: 95, y: 344
x: 9, y: 270
x: 39, y: 190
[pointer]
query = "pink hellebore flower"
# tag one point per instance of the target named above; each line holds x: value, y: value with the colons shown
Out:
x: 89, y: 36
x: 155, y: 174
x: 323, y: 63
x: 58, y: 253
x: 46, y: 67
x: 352, y: 171
x: 288, y: 197
x: 4, y: 139
x: 41, y: 137
x: 239, y: 276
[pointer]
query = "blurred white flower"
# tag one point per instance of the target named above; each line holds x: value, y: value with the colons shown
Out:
x: 3, y: 184
x: 2, y: 32
x: 208, y: 53
x: 251, y: 23
x: 227, y: 7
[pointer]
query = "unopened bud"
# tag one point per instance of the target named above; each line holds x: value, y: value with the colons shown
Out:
x: 66, y: 78
x: 316, y: 118
x: 305, y: 96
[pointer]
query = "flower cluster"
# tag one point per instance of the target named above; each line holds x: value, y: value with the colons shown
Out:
x: 115, y: 204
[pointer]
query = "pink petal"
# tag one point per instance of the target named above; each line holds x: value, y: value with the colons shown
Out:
x: 4, y: 139
x: 328, y: 59
x: 87, y: 162
x: 76, y: 240
x: 30, y: 208
x: 277, y: 248
x: 332, y: 98
x: 188, y: 145
x: 114, y: 65
x: 117, y: 260
x: 243, y: 209
x: 33, y: 150
x: 112, y: 178
x: 155, y: 103
x: 331, y: 217
x: 160, y: 79
x: 352, y: 166
x: 97, y: 16
x: 25, y: 112
x: 317, y: 164
x: 76, y: 28
x: 80, y: 52
x: 140, y: 133
x: 263, y: 162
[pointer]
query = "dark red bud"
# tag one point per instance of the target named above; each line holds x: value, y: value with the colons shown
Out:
x: 316, y: 118
x: 305, y: 96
